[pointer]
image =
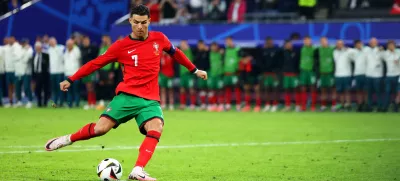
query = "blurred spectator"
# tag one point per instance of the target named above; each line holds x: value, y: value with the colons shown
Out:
x: 154, y: 10
x: 45, y: 43
x: 23, y: 74
x: 295, y: 36
x: 196, y: 8
x: 216, y: 10
x: 168, y: 11
x: 41, y: 75
x: 307, y: 8
x: 395, y: 7
x: 77, y: 37
x: 236, y: 11
x: 89, y: 52
x: 2, y: 64
x: 182, y: 16
x: 72, y: 62
x: 353, y: 4
x: 56, y: 56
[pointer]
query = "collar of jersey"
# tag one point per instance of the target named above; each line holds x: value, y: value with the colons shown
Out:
x: 130, y: 37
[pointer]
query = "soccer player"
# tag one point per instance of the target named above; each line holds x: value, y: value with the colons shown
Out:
x: 341, y: 55
x: 307, y: 75
x: 12, y: 54
x: 202, y: 60
x: 290, y: 69
x: 391, y: 57
x: 89, y: 52
x: 374, y: 73
x: 23, y: 74
x: 249, y: 78
x: 325, y: 66
x: 165, y: 80
x: 138, y: 95
x: 186, y: 80
x: 231, y: 65
x: 215, y: 82
x: 358, y: 56
x: 269, y: 67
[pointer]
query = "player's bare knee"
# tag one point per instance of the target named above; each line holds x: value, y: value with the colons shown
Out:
x: 101, y: 130
x: 155, y: 124
x: 103, y: 126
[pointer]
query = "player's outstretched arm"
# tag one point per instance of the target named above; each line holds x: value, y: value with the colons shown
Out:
x: 110, y: 56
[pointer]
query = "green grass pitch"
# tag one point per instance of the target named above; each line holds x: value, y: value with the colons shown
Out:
x: 201, y: 146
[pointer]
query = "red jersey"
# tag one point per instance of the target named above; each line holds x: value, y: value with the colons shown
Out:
x: 140, y: 60
x: 167, y: 65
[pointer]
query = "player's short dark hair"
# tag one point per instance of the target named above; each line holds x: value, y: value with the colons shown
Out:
x: 268, y: 38
x: 200, y: 42
x: 306, y: 37
x: 229, y: 37
x: 214, y: 43
x: 391, y: 42
x: 140, y: 10
x: 357, y: 42
x: 287, y: 41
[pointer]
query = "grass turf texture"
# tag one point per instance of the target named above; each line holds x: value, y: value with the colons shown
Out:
x: 319, y: 161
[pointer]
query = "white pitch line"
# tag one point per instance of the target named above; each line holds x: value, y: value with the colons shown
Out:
x: 98, y: 148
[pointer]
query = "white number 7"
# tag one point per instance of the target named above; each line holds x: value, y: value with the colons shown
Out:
x: 135, y: 59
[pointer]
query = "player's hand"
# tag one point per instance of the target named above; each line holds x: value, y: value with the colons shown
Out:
x: 201, y: 74
x: 64, y: 85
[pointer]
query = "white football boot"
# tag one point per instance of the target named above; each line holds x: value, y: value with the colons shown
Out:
x: 139, y: 174
x: 57, y: 143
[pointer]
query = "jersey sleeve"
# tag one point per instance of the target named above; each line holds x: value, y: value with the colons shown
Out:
x: 177, y: 54
x: 109, y: 56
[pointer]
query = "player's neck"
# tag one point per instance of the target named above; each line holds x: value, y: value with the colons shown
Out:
x: 132, y: 36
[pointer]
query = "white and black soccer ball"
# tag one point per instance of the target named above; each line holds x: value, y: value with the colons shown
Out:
x: 109, y: 169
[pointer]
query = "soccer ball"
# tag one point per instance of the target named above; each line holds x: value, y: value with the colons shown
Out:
x: 109, y: 169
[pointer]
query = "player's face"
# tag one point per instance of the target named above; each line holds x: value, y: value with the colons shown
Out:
x: 52, y: 42
x: 38, y: 48
x: 324, y: 42
x: 339, y: 44
x: 288, y: 45
x: 214, y: 48
x: 359, y: 45
x: 391, y: 46
x: 140, y: 25
x: 86, y: 42
x: 184, y: 45
x: 70, y: 44
x: 106, y: 40
x: 269, y: 43
x: 307, y: 41
x: 373, y: 42
x: 5, y: 41
x: 229, y: 42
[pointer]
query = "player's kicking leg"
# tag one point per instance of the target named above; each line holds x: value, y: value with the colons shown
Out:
x: 153, y: 129
x: 88, y: 131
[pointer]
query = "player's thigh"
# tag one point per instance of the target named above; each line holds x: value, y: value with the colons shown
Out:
x: 121, y: 109
x: 339, y: 84
x: 148, y: 112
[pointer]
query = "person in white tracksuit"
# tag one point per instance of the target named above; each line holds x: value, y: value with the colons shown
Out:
x: 72, y: 62
x: 374, y: 74
x: 357, y: 55
x: 2, y: 76
x: 341, y: 56
x: 13, y: 53
x: 56, y: 55
x: 23, y: 74
x: 391, y: 57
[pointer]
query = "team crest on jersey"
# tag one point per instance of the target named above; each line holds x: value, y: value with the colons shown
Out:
x: 156, y: 48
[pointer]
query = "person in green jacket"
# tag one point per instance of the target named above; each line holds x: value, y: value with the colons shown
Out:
x: 186, y: 80
x: 307, y: 74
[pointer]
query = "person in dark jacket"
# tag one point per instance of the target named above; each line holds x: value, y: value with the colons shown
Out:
x: 202, y: 60
x: 269, y: 67
x: 89, y: 52
x: 41, y: 75
x: 249, y: 78
x: 290, y: 70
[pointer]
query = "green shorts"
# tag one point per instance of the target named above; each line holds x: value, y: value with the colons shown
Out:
x: 290, y: 82
x: 164, y: 81
x: 270, y: 81
x: 89, y: 78
x: 307, y: 78
x: 215, y: 83
x: 231, y: 80
x: 125, y: 107
x: 326, y: 80
x: 186, y: 81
